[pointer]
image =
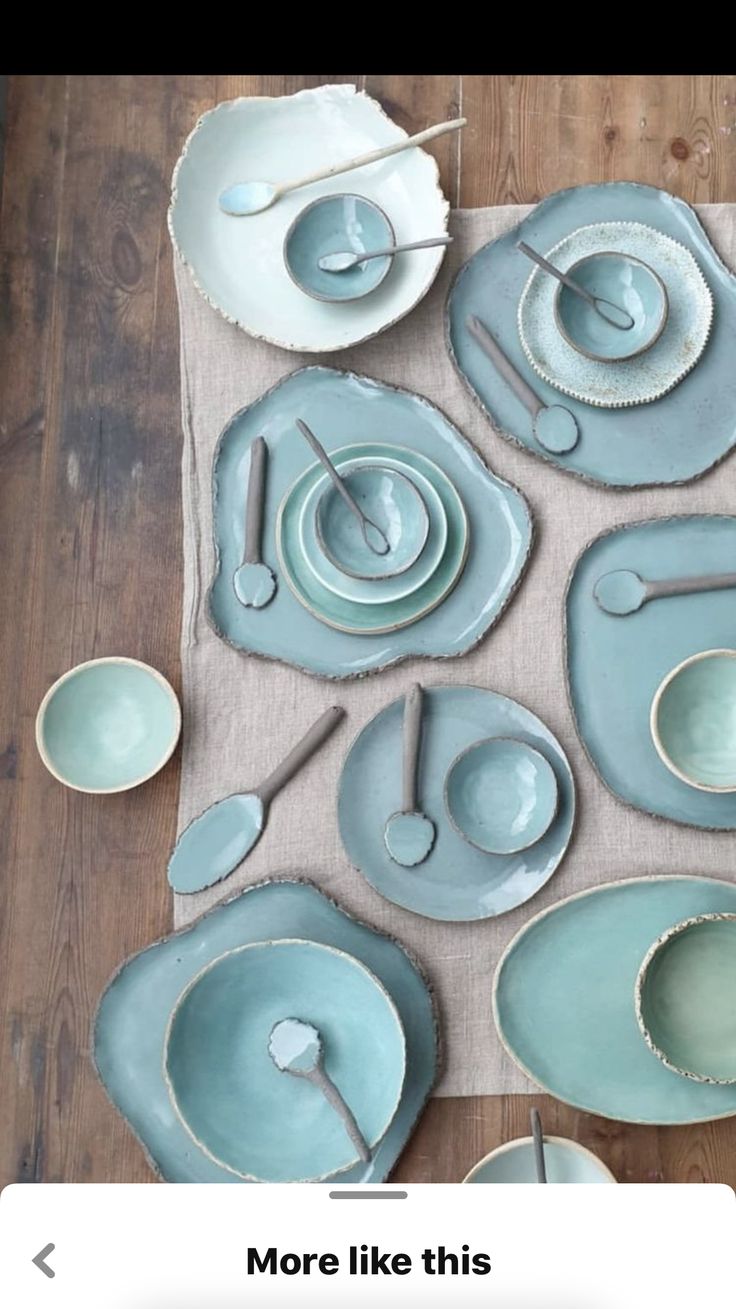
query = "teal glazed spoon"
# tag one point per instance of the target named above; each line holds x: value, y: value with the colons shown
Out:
x: 625, y: 592
x: 409, y: 835
x: 220, y: 838
x: 296, y: 1048
x: 254, y: 582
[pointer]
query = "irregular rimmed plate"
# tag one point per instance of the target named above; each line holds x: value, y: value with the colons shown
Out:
x: 674, y: 440
x: 340, y: 408
x: 615, y: 664
x: 131, y: 1021
x: 238, y: 264
x: 563, y: 1001
x: 457, y: 882
x: 654, y: 372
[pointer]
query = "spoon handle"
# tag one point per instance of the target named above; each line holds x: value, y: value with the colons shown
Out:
x: 318, y: 1077
x: 503, y: 364
x: 556, y: 272
x: 690, y: 585
x: 538, y: 1146
x: 404, y: 249
x: 300, y: 754
x: 373, y: 156
x: 254, y: 501
x: 412, y: 734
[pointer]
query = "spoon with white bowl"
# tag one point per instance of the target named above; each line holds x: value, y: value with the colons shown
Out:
x: 611, y: 313
x: 245, y: 198
x: 624, y: 592
x: 296, y: 1047
x: 254, y: 582
x: 409, y: 835
x: 341, y: 260
x: 375, y: 539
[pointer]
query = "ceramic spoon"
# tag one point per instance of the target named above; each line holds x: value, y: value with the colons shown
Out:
x: 409, y: 834
x: 252, y: 197
x: 296, y: 1048
x: 555, y: 428
x: 624, y: 592
x: 341, y: 260
x: 538, y: 1136
x: 611, y: 313
x: 254, y: 581
x: 216, y: 842
x: 372, y: 534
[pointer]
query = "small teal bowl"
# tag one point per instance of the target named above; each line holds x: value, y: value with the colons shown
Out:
x: 565, y: 1161
x: 393, y: 502
x: 108, y: 725
x: 693, y: 721
x: 331, y: 224
x: 501, y: 795
x: 625, y: 281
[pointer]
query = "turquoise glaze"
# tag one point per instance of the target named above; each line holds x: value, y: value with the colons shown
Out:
x: 564, y: 1001
x: 329, y: 225
x: 679, y: 437
x: 217, y: 841
x: 501, y: 795
x: 232, y: 1098
x: 621, y: 592
x: 686, y: 998
x: 627, y: 283
x: 409, y: 837
x: 108, y: 725
x: 390, y: 500
x: 565, y: 1161
x: 615, y: 665
x: 134, y: 1012
x: 694, y: 721
x: 456, y: 882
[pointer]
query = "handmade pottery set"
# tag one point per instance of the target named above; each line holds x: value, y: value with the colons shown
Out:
x: 356, y: 526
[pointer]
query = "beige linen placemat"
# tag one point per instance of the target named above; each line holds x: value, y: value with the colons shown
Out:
x: 242, y: 714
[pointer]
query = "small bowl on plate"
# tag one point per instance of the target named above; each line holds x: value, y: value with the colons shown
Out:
x: 108, y: 725
x: 685, y: 998
x: 329, y: 225
x: 625, y: 281
x: 501, y: 795
x: 693, y: 721
x: 565, y: 1161
x: 393, y: 502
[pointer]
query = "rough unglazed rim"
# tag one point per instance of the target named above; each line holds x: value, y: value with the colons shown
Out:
x: 343, y: 88
x: 568, y: 1141
x: 612, y: 531
x: 277, y: 879
x: 532, y: 922
x: 409, y: 654
x: 539, y: 452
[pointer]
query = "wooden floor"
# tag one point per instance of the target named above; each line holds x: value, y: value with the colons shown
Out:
x: 90, y: 537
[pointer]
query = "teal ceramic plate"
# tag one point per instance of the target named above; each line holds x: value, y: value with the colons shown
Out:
x: 456, y: 882
x: 344, y: 409
x: 615, y: 664
x: 133, y: 1015
x: 331, y: 224
x: 357, y: 616
x: 564, y: 1001
x: 565, y: 1161
x: 676, y: 439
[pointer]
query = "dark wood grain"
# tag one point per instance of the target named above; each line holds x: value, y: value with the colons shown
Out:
x: 90, y: 538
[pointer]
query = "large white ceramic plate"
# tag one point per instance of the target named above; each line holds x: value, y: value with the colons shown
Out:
x: 237, y: 263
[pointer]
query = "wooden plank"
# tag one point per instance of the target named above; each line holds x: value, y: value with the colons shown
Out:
x: 419, y: 102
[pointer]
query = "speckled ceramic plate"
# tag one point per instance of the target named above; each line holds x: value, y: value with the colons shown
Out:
x: 344, y: 409
x: 615, y: 664
x: 131, y: 1022
x: 457, y: 882
x: 564, y: 1001
x: 238, y: 263
x: 676, y: 438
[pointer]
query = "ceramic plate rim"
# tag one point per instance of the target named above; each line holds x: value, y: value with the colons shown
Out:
x: 508, y: 1147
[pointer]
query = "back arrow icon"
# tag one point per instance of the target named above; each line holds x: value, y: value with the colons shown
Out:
x: 40, y: 1260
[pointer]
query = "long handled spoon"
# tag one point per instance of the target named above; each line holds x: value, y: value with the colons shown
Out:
x: 296, y: 1048
x: 254, y: 581
x: 611, y: 313
x: 341, y: 260
x: 220, y: 838
x: 554, y: 427
x: 409, y: 834
x: 624, y: 591
x: 374, y: 538
x: 246, y: 198
x: 538, y: 1137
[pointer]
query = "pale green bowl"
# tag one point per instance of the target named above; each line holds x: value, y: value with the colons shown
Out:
x: 693, y: 721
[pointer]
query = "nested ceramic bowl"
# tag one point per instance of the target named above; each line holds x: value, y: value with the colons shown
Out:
x: 627, y: 282
x: 329, y: 225
x: 391, y: 500
x: 685, y: 998
x: 254, y: 1120
x: 501, y: 795
x: 108, y: 725
x: 693, y: 721
x: 565, y: 1161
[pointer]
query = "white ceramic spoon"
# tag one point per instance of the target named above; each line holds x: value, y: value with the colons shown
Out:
x: 341, y: 260
x: 409, y: 834
x: 296, y: 1048
x: 254, y: 581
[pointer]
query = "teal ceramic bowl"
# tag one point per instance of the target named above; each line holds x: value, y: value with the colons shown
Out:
x: 501, y: 795
x: 393, y: 502
x: 331, y: 224
x: 685, y: 998
x: 693, y: 721
x: 108, y: 725
x: 565, y: 1161
x: 625, y: 281
x: 260, y: 1123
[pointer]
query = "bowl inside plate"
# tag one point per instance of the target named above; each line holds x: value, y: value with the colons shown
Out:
x: 392, y: 501
x: 565, y: 1161
x: 329, y: 225
x: 686, y: 998
x: 108, y: 725
x: 501, y: 795
x: 628, y: 283
x: 693, y: 721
